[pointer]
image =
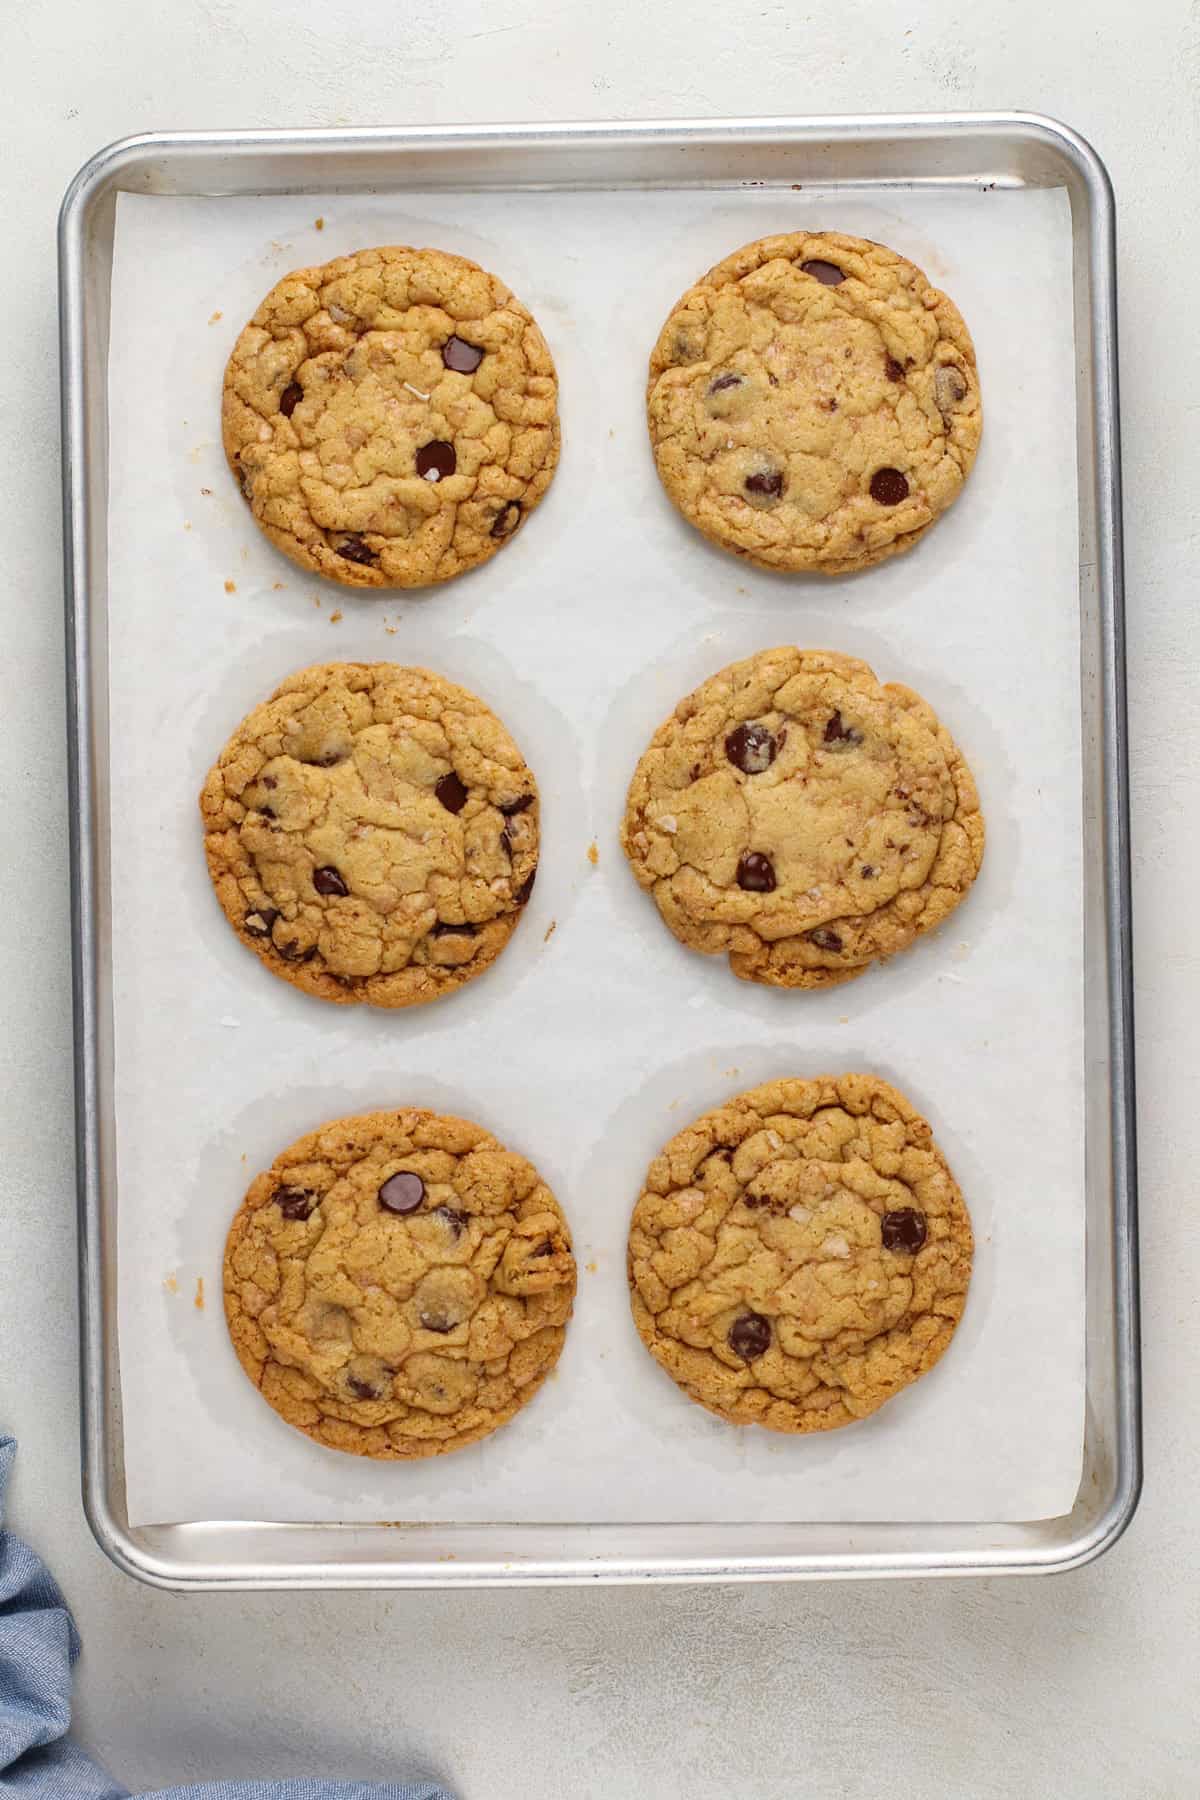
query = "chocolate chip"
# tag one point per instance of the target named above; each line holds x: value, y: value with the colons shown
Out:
x: 903, y: 1229
x: 510, y: 807
x: 267, y: 812
x: 867, y: 870
x: 402, y: 1192
x: 460, y: 356
x: 889, y: 487
x: 355, y: 550
x: 767, y: 484
x: 296, y: 952
x: 751, y: 748
x: 895, y: 370
x: 294, y: 1203
x: 949, y: 387
x: 837, y: 732
x: 362, y: 1389
x: 328, y: 759
x: 442, y: 929
x: 507, y: 520
x: 824, y: 938
x: 451, y: 792
x: 827, y: 273
x: 506, y: 842
x: 456, y: 1222
x: 749, y: 1336
x: 756, y: 873
x: 259, y: 923
x: 720, y: 382
x: 290, y: 398
x: 526, y: 888
x: 439, y: 1322
x: 436, y: 460
x: 546, y: 1249
x: 270, y: 781
x: 328, y: 881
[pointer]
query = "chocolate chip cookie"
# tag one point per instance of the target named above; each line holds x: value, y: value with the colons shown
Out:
x: 801, y: 818
x: 801, y: 1254
x: 813, y: 403
x: 391, y: 416
x: 372, y: 833
x: 398, y: 1284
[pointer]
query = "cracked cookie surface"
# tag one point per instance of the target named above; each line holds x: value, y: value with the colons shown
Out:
x: 803, y: 819
x: 814, y: 403
x: 800, y: 1254
x: 372, y: 834
x: 398, y: 1284
x: 391, y: 416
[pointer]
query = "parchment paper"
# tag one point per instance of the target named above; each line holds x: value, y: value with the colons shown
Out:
x: 586, y: 1049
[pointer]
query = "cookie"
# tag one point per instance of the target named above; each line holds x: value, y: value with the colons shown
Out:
x: 801, y: 1254
x: 813, y: 403
x: 372, y: 833
x: 802, y: 819
x: 391, y: 416
x: 398, y: 1284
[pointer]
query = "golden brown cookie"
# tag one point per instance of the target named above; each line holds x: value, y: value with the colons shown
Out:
x: 372, y: 833
x: 813, y: 403
x: 391, y: 416
x: 398, y: 1284
x: 802, y: 819
x: 801, y: 1254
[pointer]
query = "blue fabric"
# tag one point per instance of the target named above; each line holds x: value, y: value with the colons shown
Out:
x: 38, y: 1648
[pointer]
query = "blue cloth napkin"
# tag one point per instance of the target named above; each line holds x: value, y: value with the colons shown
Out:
x: 38, y: 1648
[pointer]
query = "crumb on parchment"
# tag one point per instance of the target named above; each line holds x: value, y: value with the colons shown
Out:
x: 171, y: 1284
x: 318, y: 224
x: 593, y: 854
x: 335, y: 616
x: 551, y: 928
x: 231, y: 587
x: 198, y: 1302
x: 216, y: 316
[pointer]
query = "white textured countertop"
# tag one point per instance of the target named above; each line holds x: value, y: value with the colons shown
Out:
x: 1081, y: 1685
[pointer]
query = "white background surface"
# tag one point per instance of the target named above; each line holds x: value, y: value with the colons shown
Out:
x: 1081, y: 1686
x: 219, y: 1067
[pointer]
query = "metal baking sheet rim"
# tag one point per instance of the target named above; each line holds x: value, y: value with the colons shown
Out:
x: 1009, y: 149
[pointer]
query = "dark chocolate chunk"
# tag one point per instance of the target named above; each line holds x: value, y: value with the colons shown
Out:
x: 462, y: 357
x: 402, y: 1192
x: 294, y: 1203
x: 824, y: 938
x: 436, y: 460
x: 889, y: 487
x: 259, y: 923
x: 903, y: 1229
x: 356, y: 550
x: 328, y: 881
x: 827, y: 273
x: 506, y: 520
x: 756, y: 873
x: 765, y: 484
x: 749, y: 1336
x: 751, y: 748
x: 838, y: 732
x: 451, y: 792
x: 290, y: 398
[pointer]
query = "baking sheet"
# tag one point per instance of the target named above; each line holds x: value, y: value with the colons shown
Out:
x: 588, y: 1047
